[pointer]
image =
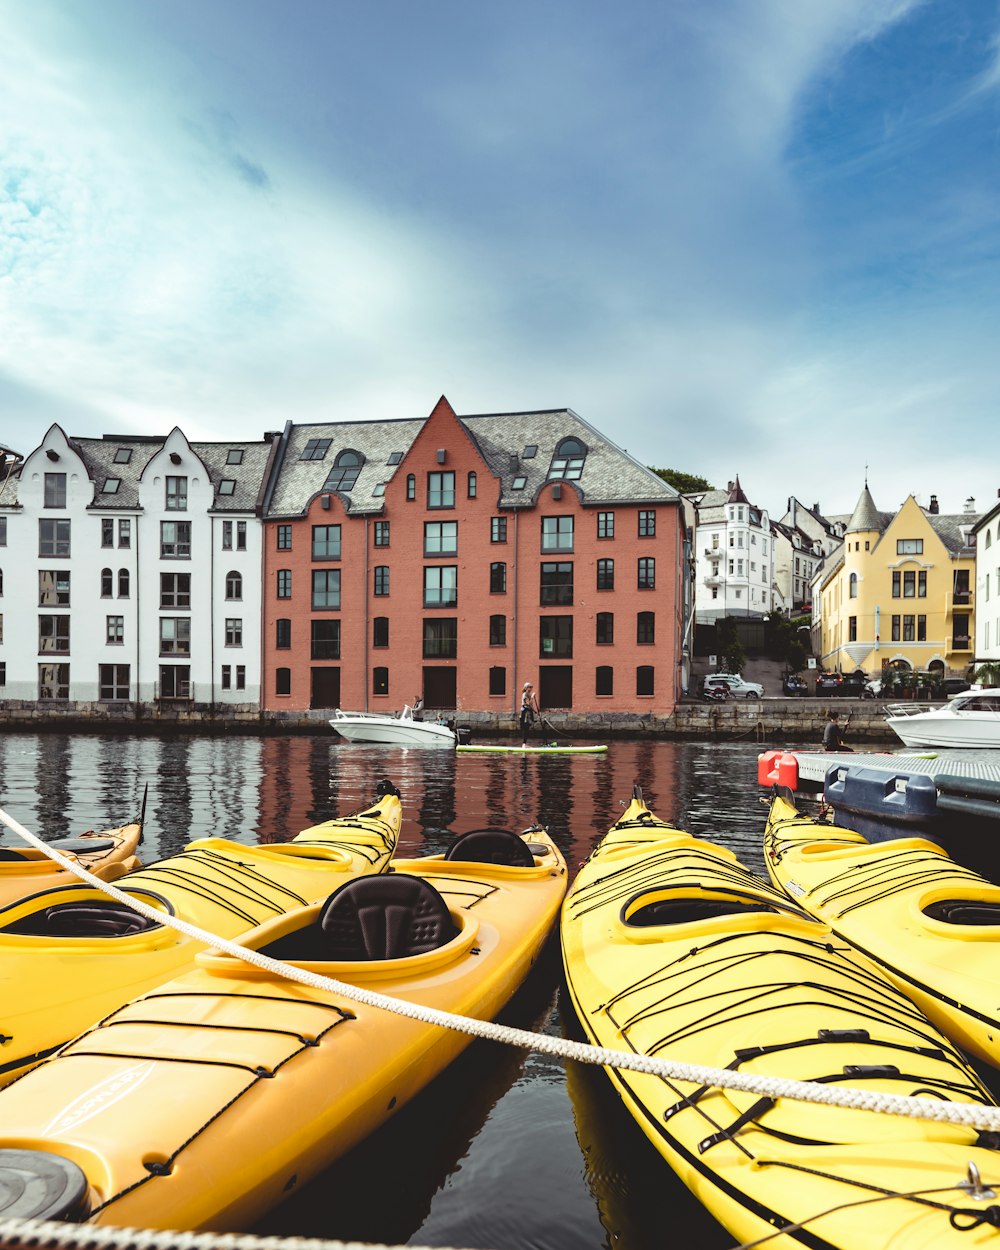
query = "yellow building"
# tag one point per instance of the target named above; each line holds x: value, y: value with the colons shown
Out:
x: 900, y: 590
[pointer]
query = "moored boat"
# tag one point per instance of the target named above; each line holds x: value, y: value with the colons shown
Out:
x: 69, y: 955
x: 673, y: 949
x: 971, y: 719
x: 277, y: 1077
x: 402, y: 730
x: 108, y: 854
x: 932, y: 925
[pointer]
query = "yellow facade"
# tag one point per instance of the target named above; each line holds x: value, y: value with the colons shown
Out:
x: 900, y: 596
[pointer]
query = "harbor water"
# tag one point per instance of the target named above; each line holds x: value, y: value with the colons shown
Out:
x: 506, y: 1149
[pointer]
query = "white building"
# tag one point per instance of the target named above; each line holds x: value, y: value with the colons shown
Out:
x: 803, y: 539
x: 131, y: 575
x: 734, y: 554
x: 987, y: 593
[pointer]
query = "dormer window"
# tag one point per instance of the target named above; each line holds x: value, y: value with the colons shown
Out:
x: 567, y: 463
x: 344, y: 473
x: 316, y: 449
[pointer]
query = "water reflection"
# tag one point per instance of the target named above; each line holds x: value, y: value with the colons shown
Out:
x: 490, y: 1155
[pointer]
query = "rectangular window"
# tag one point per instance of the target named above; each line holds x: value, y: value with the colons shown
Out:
x: 53, y: 681
x: 557, y: 533
x: 381, y: 533
x: 909, y: 630
x: 234, y: 631
x: 555, y: 637
x: 380, y: 631
x: 440, y: 586
x: 227, y: 535
x: 227, y: 676
x: 380, y: 680
x: 440, y: 538
x: 381, y: 580
x: 498, y: 680
x: 604, y: 683
x: 113, y: 682
x: 647, y: 573
x: 282, y: 681
x: 498, y: 578
x: 921, y: 629
x: 175, y: 635
x: 897, y: 585
x: 284, y: 538
x: 605, y: 629
x: 909, y: 585
x: 852, y: 629
x: 647, y: 523
x: 177, y: 494
x: 175, y: 540
x: 53, y: 634
x: 440, y: 490
x: 605, y: 525
x: 284, y: 580
x: 241, y: 677
x: 175, y: 590
x: 897, y: 631
x: 55, y: 490
x: 53, y: 588
x: 498, y: 529
x: 125, y: 533
x: 441, y: 639
x: 115, y: 635
x: 315, y: 449
x: 605, y: 574
x: 324, y: 640
x: 645, y: 629
x: 326, y: 542
x: 3, y: 531
x: 909, y: 546
x: 107, y: 532
x: 922, y: 584
x: 498, y: 631
x: 53, y: 537
x: 283, y: 633
x: 556, y: 584
x: 644, y: 679
x: 325, y: 589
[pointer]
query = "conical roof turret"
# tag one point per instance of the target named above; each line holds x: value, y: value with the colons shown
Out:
x: 736, y: 494
x: 866, y: 516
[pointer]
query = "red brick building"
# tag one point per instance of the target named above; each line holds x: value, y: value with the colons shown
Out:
x: 458, y: 557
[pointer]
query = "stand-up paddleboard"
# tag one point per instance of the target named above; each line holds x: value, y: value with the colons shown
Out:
x: 546, y: 749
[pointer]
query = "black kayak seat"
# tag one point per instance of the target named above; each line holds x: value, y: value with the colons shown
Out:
x: 689, y: 910
x: 91, y: 919
x: 967, y: 911
x: 83, y: 846
x: 37, y: 1185
x: 491, y: 846
x: 7, y: 855
x: 390, y: 916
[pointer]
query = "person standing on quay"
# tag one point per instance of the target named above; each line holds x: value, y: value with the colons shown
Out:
x: 529, y: 711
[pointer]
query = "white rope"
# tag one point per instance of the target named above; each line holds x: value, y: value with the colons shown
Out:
x: 969, y: 1115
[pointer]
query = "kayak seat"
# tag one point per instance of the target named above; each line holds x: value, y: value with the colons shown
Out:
x: 689, y: 910
x: 83, y: 846
x: 389, y: 916
x: 964, y: 911
x: 92, y: 919
x: 491, y: 846
x: 6, y: 854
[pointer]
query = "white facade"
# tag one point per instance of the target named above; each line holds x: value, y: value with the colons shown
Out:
x: 987, y: 595
x: 734, y: 570
x: 137, y: 578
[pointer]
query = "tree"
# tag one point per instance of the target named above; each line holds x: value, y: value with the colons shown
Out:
x: 686, y: 483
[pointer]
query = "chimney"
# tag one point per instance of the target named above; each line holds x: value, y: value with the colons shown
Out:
x: 970, y: 504
x: 730, y: 485
x: 815, y: 509
x: 933, y: 509
x: 514, y: 462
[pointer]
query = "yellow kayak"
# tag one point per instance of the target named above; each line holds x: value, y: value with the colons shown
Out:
x: 673, y: 949
x: 205, y: 1103
x: 70, y: 955
x: 108, y: 854
x: 930, y: 924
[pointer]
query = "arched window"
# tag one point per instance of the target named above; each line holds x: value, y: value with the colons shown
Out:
x: 380, y: 631
x: 107, y: 583
x: 567, y: 460
x: 411, y: 486
x: 644, y: 679
x: 346, y: 468
x: 605, y: 681
x: 989, y: 539
x: 852, y: 586
x: 283, y: 681
x: 123, y: 583
x: 380, y: 681
x: 472, y: 485
x: 234, y: 585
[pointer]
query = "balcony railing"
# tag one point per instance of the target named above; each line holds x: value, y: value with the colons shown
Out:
x: 713, y: 579
x: 962, y: 598
x: 180, y: 692
x: 961, y: 642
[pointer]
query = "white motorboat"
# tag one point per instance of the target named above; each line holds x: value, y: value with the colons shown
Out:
x: 401, y: 730
x: 971, y: 719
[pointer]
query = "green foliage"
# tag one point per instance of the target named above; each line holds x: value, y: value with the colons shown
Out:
x: 987, y: 674
x: 734, y: 658
x: 686, y: 483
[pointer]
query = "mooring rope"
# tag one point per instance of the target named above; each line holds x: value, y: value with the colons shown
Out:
x: 968, y: 1115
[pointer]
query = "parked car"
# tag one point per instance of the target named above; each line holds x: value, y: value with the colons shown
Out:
x: 738, y: 688
x: 828, y: 683
x: 842, y: 685
x: 954, y: 685
x: 794, y: 684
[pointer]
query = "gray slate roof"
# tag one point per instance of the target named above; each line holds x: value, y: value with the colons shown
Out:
x: 610, y: 475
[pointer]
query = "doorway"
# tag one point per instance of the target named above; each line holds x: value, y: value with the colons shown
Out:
x: 555, y: 687
x: 325, y: 688
x: 441, y: 688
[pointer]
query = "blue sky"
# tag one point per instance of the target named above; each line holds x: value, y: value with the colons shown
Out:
x: 758, y: 238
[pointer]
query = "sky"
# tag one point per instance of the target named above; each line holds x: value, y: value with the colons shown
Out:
x: 753, y: 237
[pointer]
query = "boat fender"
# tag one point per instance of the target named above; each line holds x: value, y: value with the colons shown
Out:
x: 767, y: 767
x: 36, y: 1185
x: 788, y: 771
